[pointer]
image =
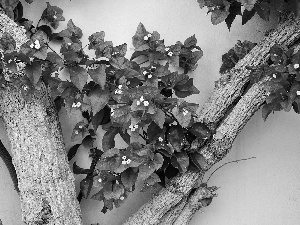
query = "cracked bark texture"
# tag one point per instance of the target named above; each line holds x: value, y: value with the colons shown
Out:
x: 46, y: 183
x: 214, y: 111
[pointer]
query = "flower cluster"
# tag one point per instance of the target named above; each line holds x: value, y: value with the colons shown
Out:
x: 142, y: 100
x: 119, y: 90
x: 124, y: 161
x: 78, y: 104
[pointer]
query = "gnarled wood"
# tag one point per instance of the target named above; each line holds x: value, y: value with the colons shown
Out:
x: 46, y: 183
x: 216, y: 108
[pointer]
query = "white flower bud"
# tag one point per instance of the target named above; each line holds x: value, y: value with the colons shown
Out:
x: 55, y: 17
x: 99, y: 180
x: 122, y: 198
x: 170, y: 53
x: 123, y: 157
x: 298, y: 92
x: 145, y: 72
x: 167, y: 49
x: 128, y: 161
x: 160, y: 139
x: 146, y: 38
x: 142, y: 99
x: 138, y: 103
x: 146, y: 103
x: 274, y: 75
x: 149, y: 76
x: 296, y: 66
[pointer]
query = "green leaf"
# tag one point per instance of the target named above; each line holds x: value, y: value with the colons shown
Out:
x: 248, y: 4
x: 185, y: 88
x: 159, y: 117
x: 97, y: 119
x: 183, y: 116
x: 7, y: 43
x: 234, y: 10
x: 199, y: 161
x: 247, y: 15
x: 138, y: 39
x: 55, y: 58
x: 88, y: 142
x: 190, y: 42
x: 78, y: 76
x: 108, y: 140
x: 33, y: 72
x: 129, y: 177
x: 152, y: 179
x: 99, y: 75
x: 113, y: 191
x: 79, y: 131
x: 120, y: 50
x: 200, y: 130
x: 176, y: 137
x: 72, y: 152
x: 145, y: 170
x: 76, y: 31
x: 154, y: 132
x: 99, y: 98
x: 52, y: 15
x: 110, y: 153
x: 96, y: 39
x: 86, y: 186
x: 180, y: 161
x: 263, y: 10
x: 219, y: 15
x: 79, y: 170
x: 9, y: 6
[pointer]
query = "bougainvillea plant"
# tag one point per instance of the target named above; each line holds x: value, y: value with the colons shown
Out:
x: 138, y: 98
x: 143, y: 102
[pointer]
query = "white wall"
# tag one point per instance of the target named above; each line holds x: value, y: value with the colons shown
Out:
x: 265, y: 190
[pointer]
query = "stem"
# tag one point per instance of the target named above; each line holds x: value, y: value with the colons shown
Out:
x: 228, y: 163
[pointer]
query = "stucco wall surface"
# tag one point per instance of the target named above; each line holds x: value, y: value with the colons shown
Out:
x: 261, y: 191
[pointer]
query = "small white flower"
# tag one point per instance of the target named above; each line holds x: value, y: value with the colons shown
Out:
x: 153, y: 67
x: 112, y: 110
x: 185, y: 112
x: 76, y: 132
x: 25, y: 88
x: 9, y: 61
x: 99, y: 180
x: 32, y: 45
x: 167, y: 49
x: 128, y: 161
x: 122, y: 198
x: 123, y: 157
x: 296, y: 66
x: 146, y: 38
x: 69, y: 43
x: 53, y: 75
x: 160, y: 139
x: 37, y: 44
x: 170, y: 53
x: 133, y: 127
x: 78, y: 104
x: 55, y: 17
x: 80, y: 126
x: 174, y: 123
x: 145, y: 72
x: 120, y: 86
x: 138, y: 103
x: 158, y: 79
x: 128, y: 82
x: 124, y: 162
x: 104, y: 59
x: 149, y: 35
x: 142, y: 99
x: 298, y: 92
x: 74, y: 105
x: 274, y: 75
x: 146, y: 103
x: 118, y: 91
x: 149, y: 76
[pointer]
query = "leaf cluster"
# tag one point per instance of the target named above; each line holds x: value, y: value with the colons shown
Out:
x: 143, y: 103
x: 283, y: 69
x: 223, y: 10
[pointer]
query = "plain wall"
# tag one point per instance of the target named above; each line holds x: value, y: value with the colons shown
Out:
x: 265, y: 190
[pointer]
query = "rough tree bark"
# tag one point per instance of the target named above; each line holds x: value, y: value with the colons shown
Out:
x: 40, y: 160
x: 227, y: 111
x: 46, y: 183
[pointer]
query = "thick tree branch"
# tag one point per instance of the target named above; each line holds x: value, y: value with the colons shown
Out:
x: 218, y: 105
x: 46, y: 183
